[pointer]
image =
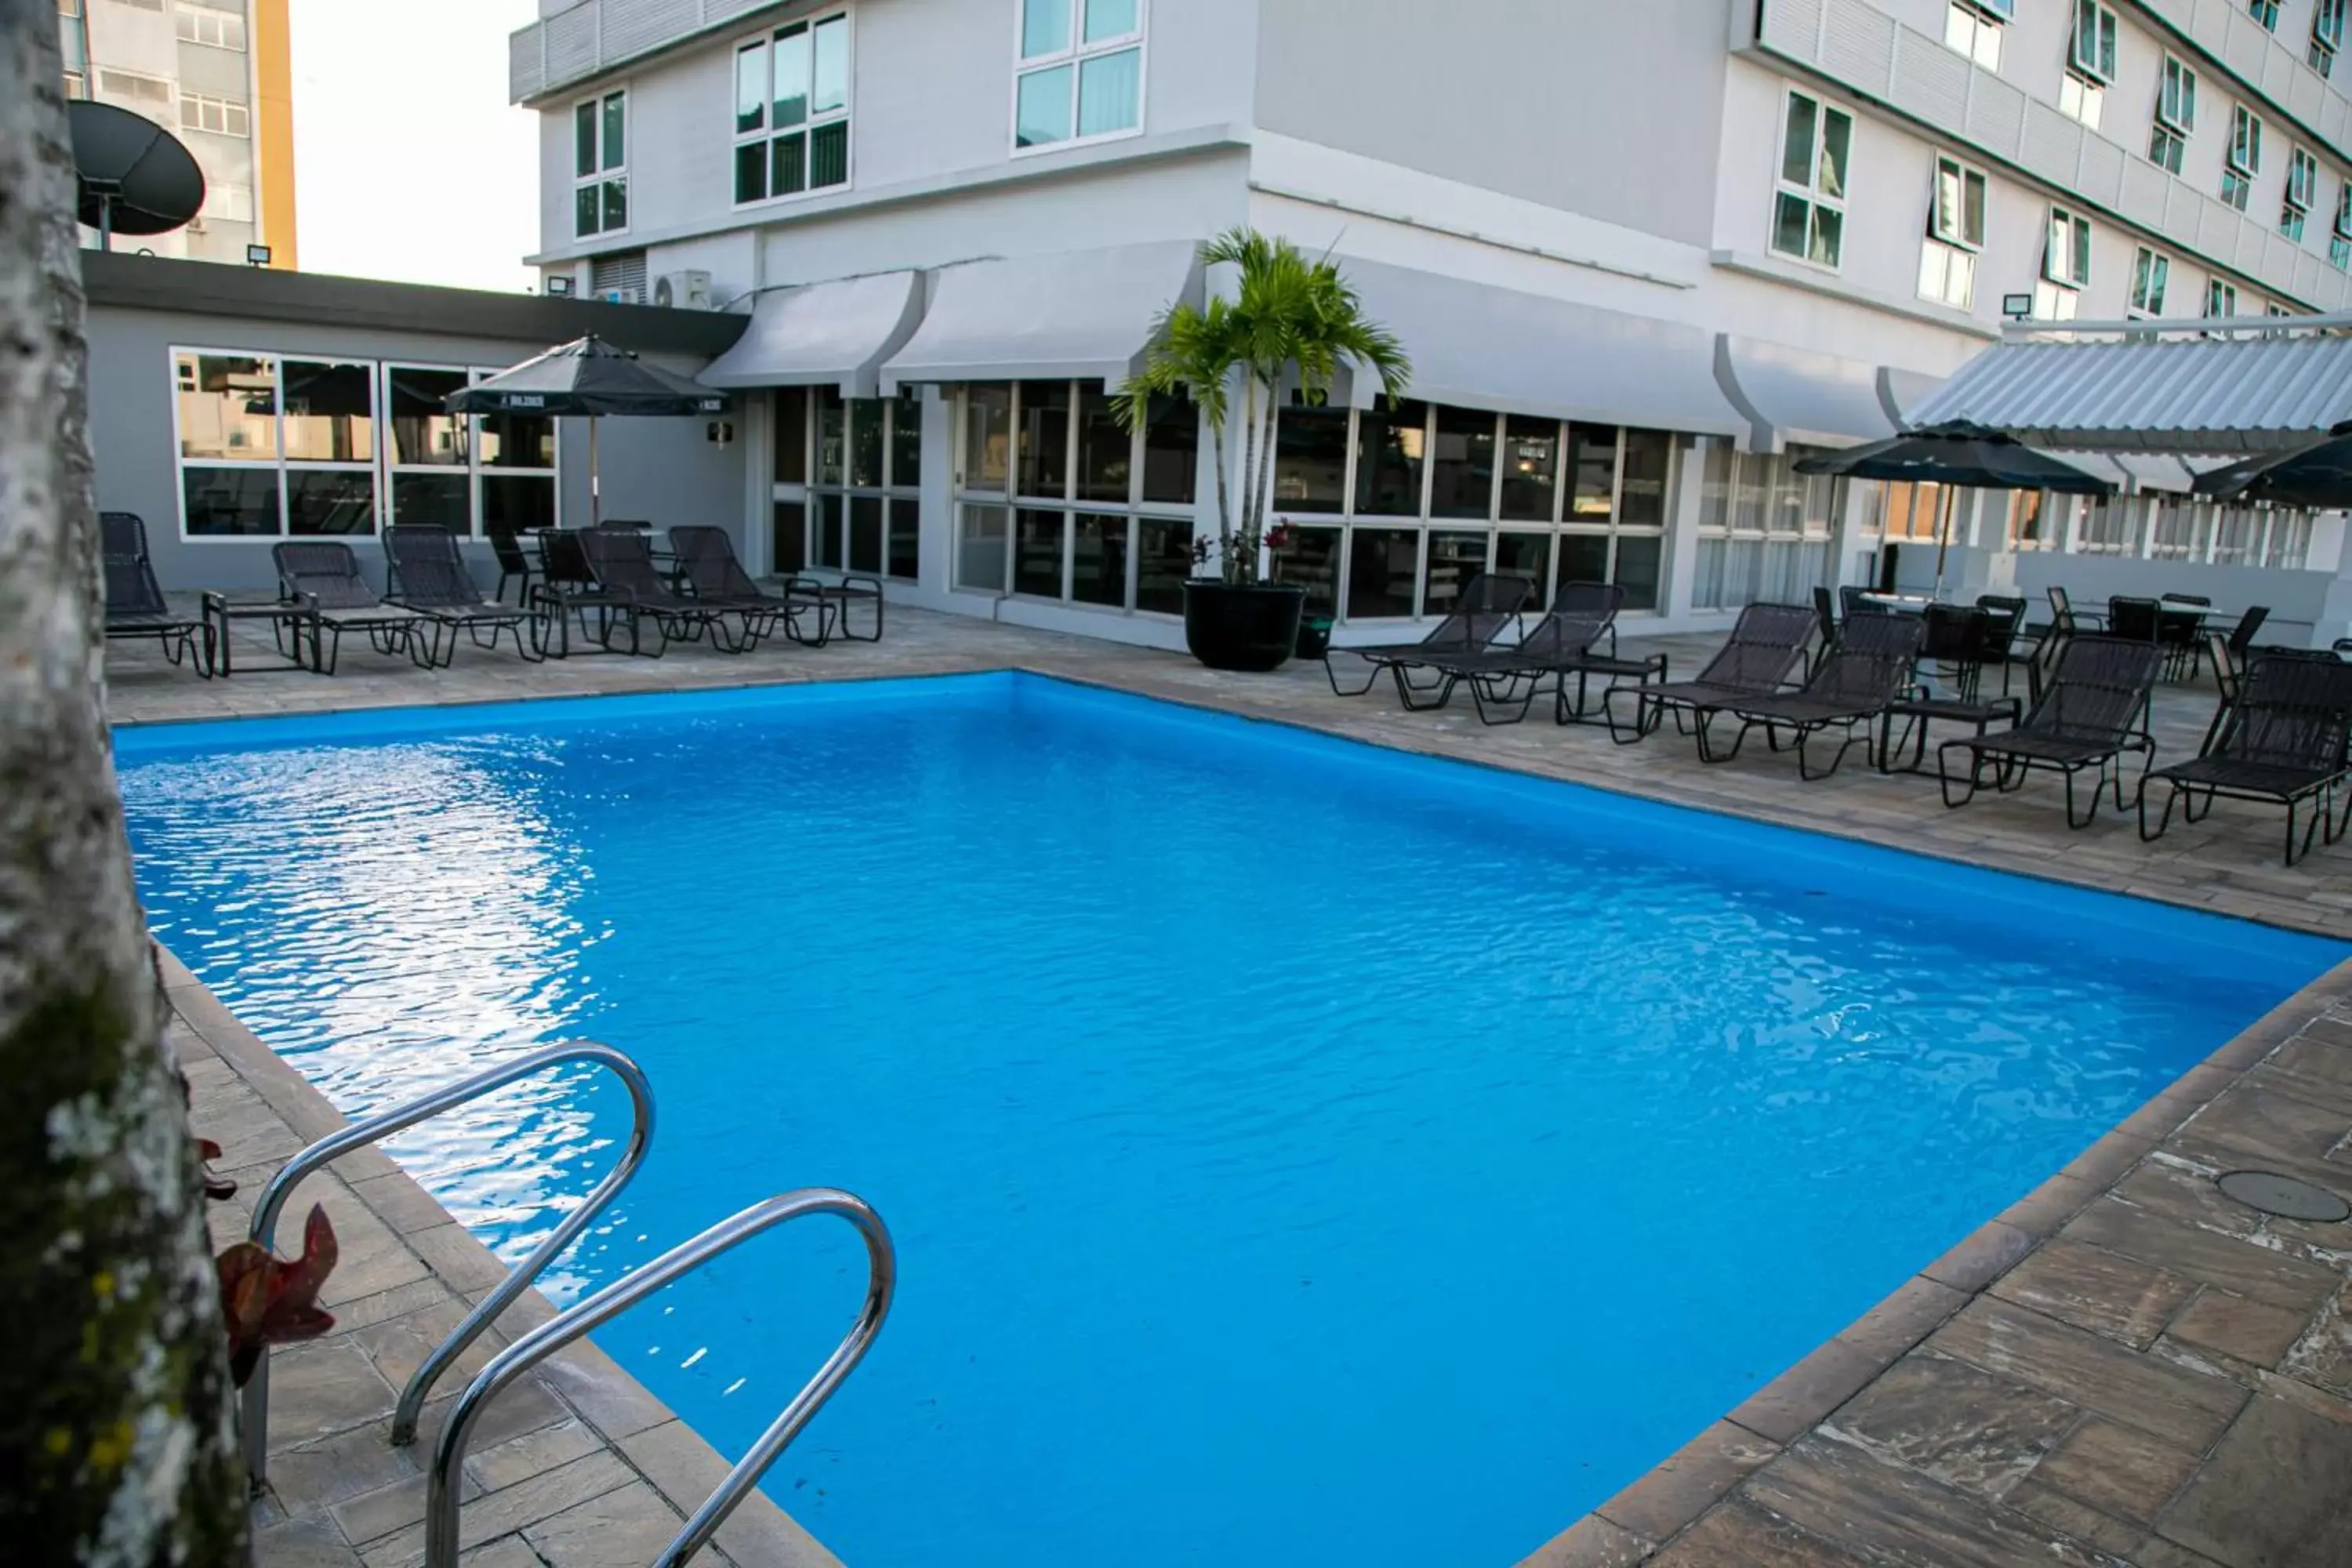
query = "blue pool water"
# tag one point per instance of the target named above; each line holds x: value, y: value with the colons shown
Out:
x: 1297, y: 1152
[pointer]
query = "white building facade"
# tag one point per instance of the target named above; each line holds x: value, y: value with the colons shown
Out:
x: 1643, y: 257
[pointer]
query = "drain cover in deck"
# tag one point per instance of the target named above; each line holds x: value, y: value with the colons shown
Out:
x: 2283, y: 1196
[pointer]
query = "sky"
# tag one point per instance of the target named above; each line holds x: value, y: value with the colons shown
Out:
x: 408, y: 163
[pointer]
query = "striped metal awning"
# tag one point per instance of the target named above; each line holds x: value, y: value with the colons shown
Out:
x: 2202, y: 388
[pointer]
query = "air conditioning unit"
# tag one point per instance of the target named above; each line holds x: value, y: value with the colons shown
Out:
x: 683, y: 290
x: 622, y: 296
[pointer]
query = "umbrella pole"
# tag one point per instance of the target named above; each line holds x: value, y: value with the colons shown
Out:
x: 596, y: 501
x: 1943, y: 538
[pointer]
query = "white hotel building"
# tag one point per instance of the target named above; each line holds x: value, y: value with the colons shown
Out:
x: 1642, y: 255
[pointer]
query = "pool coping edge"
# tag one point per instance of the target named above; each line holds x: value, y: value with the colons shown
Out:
x: 1702, y: 1474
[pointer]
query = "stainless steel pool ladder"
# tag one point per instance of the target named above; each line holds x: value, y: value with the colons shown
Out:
x: 441, y: 1537
x: 400, y: 1118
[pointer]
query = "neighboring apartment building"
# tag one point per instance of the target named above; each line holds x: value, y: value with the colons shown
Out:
x: 1642, y: 255
x: 216, y: 74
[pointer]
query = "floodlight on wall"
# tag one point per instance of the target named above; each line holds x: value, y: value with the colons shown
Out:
x: 721, y: 432
x: 559, y: 285
x: 2017, y: 307
x: 257, y: 255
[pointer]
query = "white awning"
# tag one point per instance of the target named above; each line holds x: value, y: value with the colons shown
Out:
x: 1901, y: 391
x: 1476, y: 346
x: 1083, y: 315
x: 823, y: 334
x: 1797, y: 395
x: 2205, y: 388
x: 2140, y: 473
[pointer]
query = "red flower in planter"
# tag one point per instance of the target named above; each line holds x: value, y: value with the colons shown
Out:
x: 1278, y: 537
x: 269, y: 1302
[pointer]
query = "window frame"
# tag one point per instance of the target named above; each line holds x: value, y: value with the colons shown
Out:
x: 2327, y: 42
x: 2100, y: 65
x: 603, y: 174
x: 1980, y: 20
x: 2265, y: 14
x: 2170, y: 132
x: 2151, y: 280
x: 474, y: 469
x: 2077, y: 249
x: 1941, y: 252
x: 2302, y: 192
x: 764, y: 39
x: 2339, y: 242
x: 197, y: 16
x: 2239, y: 173
x: 1075, y: 56
x: 2220, y: 292
x: 1816, y: 199
x: 813, y: 490
x: 203, y: 101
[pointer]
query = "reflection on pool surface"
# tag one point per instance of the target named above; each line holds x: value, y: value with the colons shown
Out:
x: 1297, y: 1152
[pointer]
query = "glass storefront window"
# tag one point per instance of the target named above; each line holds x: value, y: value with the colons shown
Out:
x: 1310, y: 460
x: 1462, y: 464
x: 1171, y: 448
x: 1390, y: 451
x: 865, y: 534
x: 1592, y: 472
x: 1163, y: 560
x: 1638, y: 559
x: 1530, y: 469
x: 1044, y: 463
x: 1037, y: 553
x: 1309, y: 558
x: 1649, y: 458
x: 981, y: 551
x: 832, y: 435
x: 1382, y: 564
x: 988, y: 438
x: 1583, y: 558
x: 228, y: 407
x: 1105, y: 450
x: 906, y: 541
x: 906, y: 441
x: 1526, y: 555
x: 1453, y: 560
x: 330, y: 412
x: 1099, y: 560
x: 865, y: 442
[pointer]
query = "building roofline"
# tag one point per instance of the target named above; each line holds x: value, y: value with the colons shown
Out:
x: 123, y: 280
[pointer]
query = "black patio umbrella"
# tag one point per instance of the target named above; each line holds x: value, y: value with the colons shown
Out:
x: 588, y: 379
x: 1958, y: 455
x: 2318, y: 475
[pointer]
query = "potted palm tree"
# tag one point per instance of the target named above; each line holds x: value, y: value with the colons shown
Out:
x: 1291, y: 320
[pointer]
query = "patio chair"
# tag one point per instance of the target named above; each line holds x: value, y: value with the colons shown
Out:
x: 1851, y: 691
x: 2004, y: 627
x: 426, y: 573
x: 1853, y: 600
x: 2093, y: 710
x: 514, y: 564
x: 1506, y: 681
x: 2062, y: 607
x: 839, y: 595
x: 706, y: 561
x: 1957, y: 641
x: 622, y: 562
x: 1825, y: 609
x: 135, y: 605
x: 2242, y: 634
x: 567, y: 592
x: 2136, y: 620
x: 2182, y: 632
x: 1767, y: 643
x: 323, y: 577
x: 2282, y: 742
x: 1486, y: 605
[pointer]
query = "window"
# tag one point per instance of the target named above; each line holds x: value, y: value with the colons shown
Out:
x: 2220, y: 299
x: 2176, y: 116
x: 479, y: 476
x: 224, y: 203
x: 600, y: 165
x: 1080, y: 71
x: 792, y: 110
x: 221, y: 29
x: 2274, y: 308
x: 1973, y: 29
x: 2065, y: 265
x: 2111, y: 527
x: 2265, y: 12
x: 2090, y: 63
x: 1809, y: 216
x: 144, y: 88
x: 1059, y: 500
x: 1763, y: 528
x: 2326, y: 36
x: 1955, y: 233
x: 849, y: 477
x: 2339, y: 244
x: 274, y: 446
x: 75, y: 85
x: 2242, y: 163
x: 2302, y: 190
x: 218, y: 115
x: 2151, y: 271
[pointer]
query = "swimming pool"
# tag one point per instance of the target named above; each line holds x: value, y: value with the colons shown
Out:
x: 1297, y: 1152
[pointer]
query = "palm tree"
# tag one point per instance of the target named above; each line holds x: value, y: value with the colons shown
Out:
x: 1290, y: 315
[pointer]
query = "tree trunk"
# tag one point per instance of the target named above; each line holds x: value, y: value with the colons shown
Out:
x: 116, y: 1436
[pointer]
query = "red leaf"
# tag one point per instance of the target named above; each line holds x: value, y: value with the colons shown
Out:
x: 267, y: 1300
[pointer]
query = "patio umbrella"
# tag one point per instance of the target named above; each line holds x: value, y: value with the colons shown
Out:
x: 1957, y: 455
x: 588, y: 378
x: 2318, y: 475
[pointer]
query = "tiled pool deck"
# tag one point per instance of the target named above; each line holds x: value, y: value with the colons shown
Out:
x: 2126, y: 1368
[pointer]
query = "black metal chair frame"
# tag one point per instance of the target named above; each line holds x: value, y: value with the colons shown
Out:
x: 425, y: 571
x: 135, y: 605
x: 621, y: 560
x: 514, y: 564
x: 1767, y: 643
x: 2312, y: 706
x: 1850, y: 691
x: 839, y: 595
x: 1505, y: 681
x: 567, y: 590
x: 2051, y: 739
x: 708, y: 568
x: 322, y: 577
x: 1487, y: 606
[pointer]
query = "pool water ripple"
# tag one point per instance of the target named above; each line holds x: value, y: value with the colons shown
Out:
x: 1298, y: 1153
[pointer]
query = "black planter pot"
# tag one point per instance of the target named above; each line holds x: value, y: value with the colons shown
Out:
x: 1314, y: 636
x: 1249, y: 628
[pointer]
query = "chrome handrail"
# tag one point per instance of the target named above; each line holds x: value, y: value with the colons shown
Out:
x: 400, y: 1118
x: 881, y: 1278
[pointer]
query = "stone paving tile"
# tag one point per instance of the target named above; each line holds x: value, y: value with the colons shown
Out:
x: 2243, y: 1330
x: 2168, y: 1402
x: 623, y: 1529
x: 485, y: 1518
x: 1956, y: 1423
x: 2190, y: 1251
x: 1680, y: 1489
x: 2096, y: 1289
x: 1741, y: 1535
x: 2117, y: 1469
x: 1590, y: 1542
x: 2274, y: 1495
x: 1837, y: 1490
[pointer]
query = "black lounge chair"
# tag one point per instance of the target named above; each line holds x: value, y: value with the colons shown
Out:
x: 323, y: 578
x: 2136, y: 620
x: 2281, y: 742
x: 705, y: 560
x: 1866, y: 673
x: 514, y: 565
x: 1506, y: 681
x: 2004, y: 624
x: 427, y: 573
x: 1485, y: 606
x: 2093, y: 710
x: 1767, y: 643
x: 838, y: 596
x: 135, y: 605
x: 622, y: 562
x: 567, y: 593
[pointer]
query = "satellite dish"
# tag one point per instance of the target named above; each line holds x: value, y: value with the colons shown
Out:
x: 135, y: 177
